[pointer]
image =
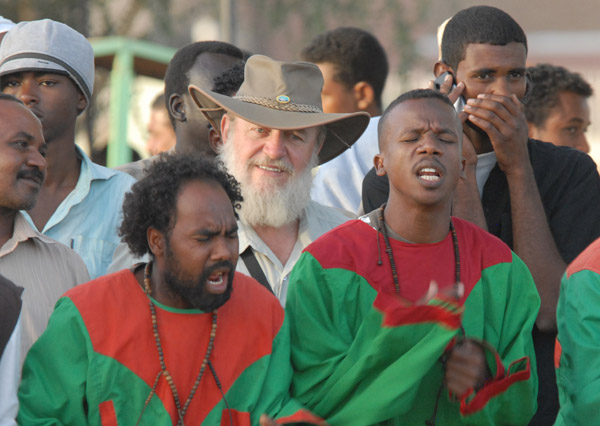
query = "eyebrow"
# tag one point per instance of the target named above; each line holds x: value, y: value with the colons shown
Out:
x: 24, y: 135
x: 484, y: 71
x: 437, y: 131
x: 209, y: 233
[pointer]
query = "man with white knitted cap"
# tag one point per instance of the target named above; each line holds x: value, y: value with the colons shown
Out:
x: 50, y: 68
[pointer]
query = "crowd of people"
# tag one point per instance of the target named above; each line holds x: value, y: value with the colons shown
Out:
x: 301, y: 254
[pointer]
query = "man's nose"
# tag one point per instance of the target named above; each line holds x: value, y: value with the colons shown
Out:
x: 223, y: 249
x: 275, y: 145
x: 501, y: 87
x: 583, y: 144
x: 27, y: 92
x: 429, y: 144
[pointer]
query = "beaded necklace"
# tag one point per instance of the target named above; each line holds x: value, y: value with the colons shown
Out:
x: 163, y: 369
x: 388, y: 248
x: 381, y: 228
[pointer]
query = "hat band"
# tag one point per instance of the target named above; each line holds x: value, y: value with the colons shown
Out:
x: 270, y: 103
x: 73, y: 73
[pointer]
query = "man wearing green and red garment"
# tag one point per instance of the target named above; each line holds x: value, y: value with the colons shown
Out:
x: 408, y: 316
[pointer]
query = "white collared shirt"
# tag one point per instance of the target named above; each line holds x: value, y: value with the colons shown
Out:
x: 316, y: 220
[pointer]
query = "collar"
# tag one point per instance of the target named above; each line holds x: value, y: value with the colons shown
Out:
x: 249, y: 238
x: 88, y: 172
x: 22, y: 232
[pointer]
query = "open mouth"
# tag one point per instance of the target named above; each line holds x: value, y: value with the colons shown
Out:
x: 429, y: 174
x: 216, y: 279
x: 216, y: 283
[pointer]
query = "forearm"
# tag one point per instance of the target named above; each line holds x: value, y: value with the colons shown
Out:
x: 534, y: 244
x: 467, y: 202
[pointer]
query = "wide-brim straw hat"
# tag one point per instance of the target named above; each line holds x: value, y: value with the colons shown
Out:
x: 285, y: 96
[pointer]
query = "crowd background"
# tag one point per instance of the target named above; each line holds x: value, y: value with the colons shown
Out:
x: 560, y: 32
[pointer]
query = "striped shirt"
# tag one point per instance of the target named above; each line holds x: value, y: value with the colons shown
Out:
x: 45, y: 268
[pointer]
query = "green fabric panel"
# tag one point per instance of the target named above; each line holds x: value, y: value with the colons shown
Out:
x: 352, y: 371
x: 578, y: 375
x: 357, y: 358
x: 509, y: 312
x: 48, y: 394
x: 264, y: 386
x: 57, y: 378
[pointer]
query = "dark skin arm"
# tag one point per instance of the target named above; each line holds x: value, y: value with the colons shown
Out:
x: 503, y: 119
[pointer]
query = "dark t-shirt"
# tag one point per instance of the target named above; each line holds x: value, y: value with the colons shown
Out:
x: 569, y: 187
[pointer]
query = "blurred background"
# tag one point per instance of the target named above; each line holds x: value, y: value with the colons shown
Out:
x: 559, y: 32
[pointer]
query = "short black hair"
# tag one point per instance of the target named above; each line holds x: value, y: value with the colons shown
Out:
x: 356, y: 55
x: 479, y: 25
x: 177, y: 78
x: 152, y: 201
x: 548, y: 82
x: 409, y: 96
x: 229, y: 82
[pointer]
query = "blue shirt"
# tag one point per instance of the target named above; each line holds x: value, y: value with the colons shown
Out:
x: 88, y: 218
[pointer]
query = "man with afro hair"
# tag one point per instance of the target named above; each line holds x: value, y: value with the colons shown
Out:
x: 180, y: 338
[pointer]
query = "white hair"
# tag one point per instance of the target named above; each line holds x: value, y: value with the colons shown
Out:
x: 268, y: 204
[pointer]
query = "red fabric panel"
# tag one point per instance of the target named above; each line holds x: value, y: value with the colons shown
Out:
x: 108, y: 417
x: 345, y: 249
x: 239, y: 418
x: 124, y: 333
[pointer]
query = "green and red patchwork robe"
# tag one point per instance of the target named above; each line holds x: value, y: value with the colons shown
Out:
x: 578, y: 343
x: 97, y: 361
x: 362, y: 356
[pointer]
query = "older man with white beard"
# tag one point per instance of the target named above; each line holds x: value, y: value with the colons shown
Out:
x: 274, y: 133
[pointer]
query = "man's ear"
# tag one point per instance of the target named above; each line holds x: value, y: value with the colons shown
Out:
x: 378, y: 163
x: 364, y: 95
x: 156, y: 242
x: 441, y: 67
x: 226, y: 123
x: 177, y: 107
x: 214, y: 139
x: 463, y: 164
x: 81, y: 103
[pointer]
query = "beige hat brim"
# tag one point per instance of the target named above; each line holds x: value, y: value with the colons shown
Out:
x: 342, y: 129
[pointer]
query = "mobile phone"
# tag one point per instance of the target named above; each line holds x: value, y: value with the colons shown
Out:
x: 460, y: 102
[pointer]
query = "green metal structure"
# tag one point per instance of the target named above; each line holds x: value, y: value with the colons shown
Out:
x: 126, y: 58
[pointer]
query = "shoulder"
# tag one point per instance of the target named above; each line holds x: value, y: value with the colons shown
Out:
x: 326, y: 214
x: 481, y: 245
x: 588, y: 260
x: 349, y: 237
x: 107, y: 289
x: 251, y: 302
x: 137, y: 169
x: 112, y: 177
x: 548, y: 157
x: 65, y: 254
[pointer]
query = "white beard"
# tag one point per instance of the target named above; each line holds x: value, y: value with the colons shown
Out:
x: 267, y: 204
